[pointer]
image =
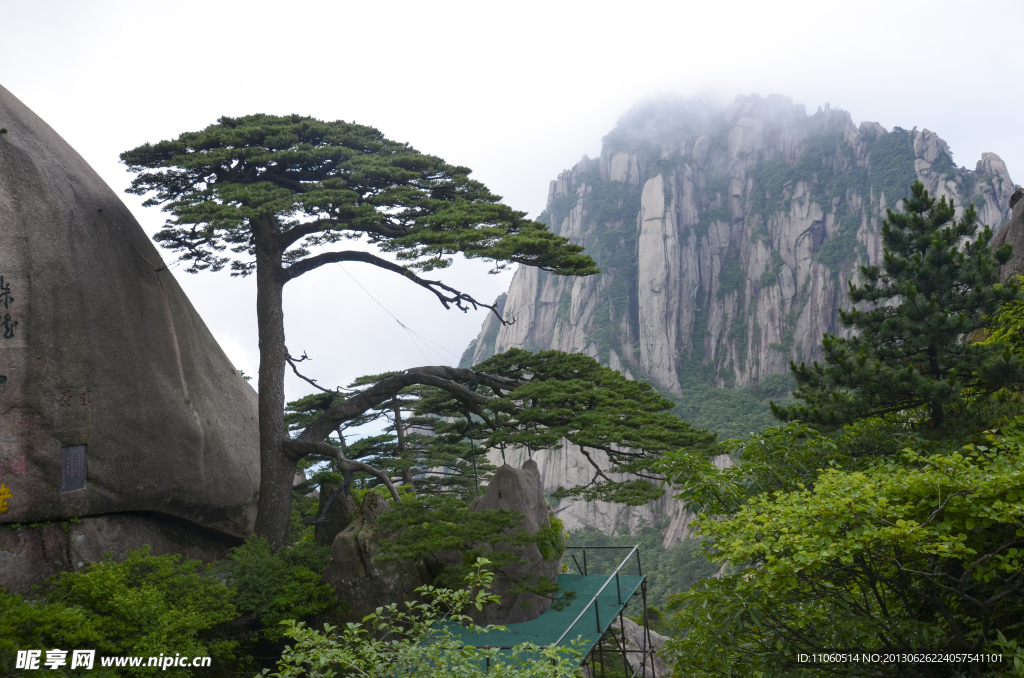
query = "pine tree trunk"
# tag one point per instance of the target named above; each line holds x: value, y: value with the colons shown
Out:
x: 276, y: 470
x: 400, y: 432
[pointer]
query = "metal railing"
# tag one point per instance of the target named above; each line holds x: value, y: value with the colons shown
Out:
x: 593, y: 601
x: 646, y: 652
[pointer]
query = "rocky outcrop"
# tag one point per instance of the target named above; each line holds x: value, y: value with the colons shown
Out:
x: 114, y: 396
x: 337, y: 510
x: 566, y: 467
x: 638, y: 661
x: 361, y: 582
x: 520, y: 490
x: 1013, y: 233
x: 726, y: 239
x: 632, y: 634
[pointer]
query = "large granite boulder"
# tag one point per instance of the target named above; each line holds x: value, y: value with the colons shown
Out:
x: 337, y: 511
x: 519, y: 490
x: 114, y: 396
x: 30, y: 554
x: 361, y: 582
x: 631, y: 634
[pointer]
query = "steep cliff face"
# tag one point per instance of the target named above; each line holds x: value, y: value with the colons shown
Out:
x: 726, y: 238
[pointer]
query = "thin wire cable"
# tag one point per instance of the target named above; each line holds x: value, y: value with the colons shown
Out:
x: 405, y: 327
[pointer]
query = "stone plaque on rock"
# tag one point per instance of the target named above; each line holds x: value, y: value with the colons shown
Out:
x: 72, y: 468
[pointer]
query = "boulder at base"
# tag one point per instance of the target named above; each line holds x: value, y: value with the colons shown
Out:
x: 114, y: 396
x: 30, y: 554
x: 337, y: 509
x: 631, y: 635
x: 358, y: 580
x: 519, y: 490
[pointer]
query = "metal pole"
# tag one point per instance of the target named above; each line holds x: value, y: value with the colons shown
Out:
x: 594, y: 599
x: 617, y: 589
x: 625, y: 661
x: 584, y: 561
x: 647, y: 628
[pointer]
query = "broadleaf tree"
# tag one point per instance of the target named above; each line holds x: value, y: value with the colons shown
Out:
x: 274, y: 196
x: 936, y: 285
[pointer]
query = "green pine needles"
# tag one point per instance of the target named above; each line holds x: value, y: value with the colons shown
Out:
x: 911, y: 317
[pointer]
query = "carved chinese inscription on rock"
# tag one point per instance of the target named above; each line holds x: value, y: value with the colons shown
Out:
x: 72, y: 476
x: 7, y: 325
x: 12, y: 467
x: 73, y: 408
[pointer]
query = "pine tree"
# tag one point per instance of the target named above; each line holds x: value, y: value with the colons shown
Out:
x: 273, y: 196
x: 621, y: 427
x: 911, y: 316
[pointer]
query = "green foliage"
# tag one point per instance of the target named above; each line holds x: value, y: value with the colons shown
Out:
x: 656, y: 619
x: 573, y: 397
x: 730, y: 413
x: 915, y: 552
x: 274, y: 189
x: 551, y: 540
x: 909, y: 353
x: 423, y: 527
x: 560, y: 208
x: 733, y: 277
x: 142, y: 606
x: 1008, y: 328
x: 770, y: 277
x: 271, y: 586
x: 421, y: 640
x: 324, y: 181
x: 301, y: 516
x: 612, y: 238
x: 892, y: 165
x: 557, y: 396
x: 147, y: 605
x: 439, y: 446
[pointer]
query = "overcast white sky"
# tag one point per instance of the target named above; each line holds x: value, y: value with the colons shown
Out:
x: 517, y: 91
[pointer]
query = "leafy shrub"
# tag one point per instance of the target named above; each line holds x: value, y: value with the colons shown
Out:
x: 913, y: 552
x: 143, y: 606
x: 270, y: 587
x: 551, y: 540
x: 420, y: 641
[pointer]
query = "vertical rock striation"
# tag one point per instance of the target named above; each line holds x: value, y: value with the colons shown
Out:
x: 726, y: 238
